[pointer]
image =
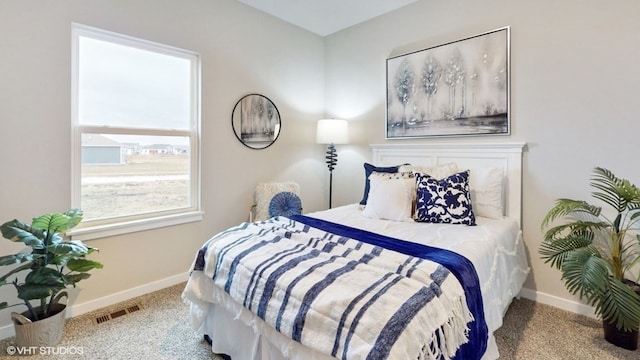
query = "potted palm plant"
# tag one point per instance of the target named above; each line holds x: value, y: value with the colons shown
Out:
x: 51, y: 266
x: 596, y: 251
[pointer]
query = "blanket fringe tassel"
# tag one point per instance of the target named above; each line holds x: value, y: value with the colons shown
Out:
x: 445, y: 341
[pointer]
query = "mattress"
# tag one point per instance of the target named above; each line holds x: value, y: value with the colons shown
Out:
x: 494, y: 247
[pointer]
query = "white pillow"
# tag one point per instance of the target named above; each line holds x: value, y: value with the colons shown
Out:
x: 437, y: 171
x: 390, y: 197
x: 487, y: 191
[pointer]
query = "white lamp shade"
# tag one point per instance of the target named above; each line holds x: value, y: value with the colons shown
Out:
x: 332, y: 131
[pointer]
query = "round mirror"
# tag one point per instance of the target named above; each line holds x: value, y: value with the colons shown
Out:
x: 256, y: 121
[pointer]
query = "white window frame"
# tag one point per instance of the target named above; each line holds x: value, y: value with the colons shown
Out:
x: 88, y: 230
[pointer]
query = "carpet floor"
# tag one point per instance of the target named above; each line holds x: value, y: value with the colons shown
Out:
x: 158, y: 328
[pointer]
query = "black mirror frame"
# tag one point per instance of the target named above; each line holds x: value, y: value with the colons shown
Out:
x: 272, y: 118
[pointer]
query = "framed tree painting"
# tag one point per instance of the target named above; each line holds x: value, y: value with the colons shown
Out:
x: 256, y: 121
x: 455, y: 89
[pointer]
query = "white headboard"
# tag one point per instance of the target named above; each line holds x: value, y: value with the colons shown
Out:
x: 507, y: 155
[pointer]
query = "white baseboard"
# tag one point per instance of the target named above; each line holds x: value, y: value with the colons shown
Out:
x: 79, y: 309
x: 558, y: 302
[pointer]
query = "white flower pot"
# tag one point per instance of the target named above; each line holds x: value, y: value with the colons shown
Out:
x: 45, y: 332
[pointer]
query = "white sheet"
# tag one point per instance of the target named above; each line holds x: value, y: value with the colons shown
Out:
x: 495, y: 247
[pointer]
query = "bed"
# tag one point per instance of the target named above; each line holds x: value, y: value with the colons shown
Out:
x: 468, y: 272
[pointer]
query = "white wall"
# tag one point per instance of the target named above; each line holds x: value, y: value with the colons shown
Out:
x: 242, y: 51
x: 574, y: 89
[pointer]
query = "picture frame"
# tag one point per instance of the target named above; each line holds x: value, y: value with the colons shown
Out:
x: 256, y: 121
x: 460, y: 88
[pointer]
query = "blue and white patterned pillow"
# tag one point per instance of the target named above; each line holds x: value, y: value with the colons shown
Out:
x: 444, y: 201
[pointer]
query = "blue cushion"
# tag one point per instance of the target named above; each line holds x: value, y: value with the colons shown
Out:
x: 368, y: 169
x: 444, y: 201
x: 285, y: 203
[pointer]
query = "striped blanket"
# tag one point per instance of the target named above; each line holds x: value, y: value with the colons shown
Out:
x: 340, y: 296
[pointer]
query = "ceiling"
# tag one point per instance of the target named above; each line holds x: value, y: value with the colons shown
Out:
x: 325, y: 17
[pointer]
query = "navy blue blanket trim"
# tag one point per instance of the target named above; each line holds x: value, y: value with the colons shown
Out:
x: 200, y: 259
x: 459, y: 266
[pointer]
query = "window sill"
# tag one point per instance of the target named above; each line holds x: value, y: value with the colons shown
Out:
x: 102, y: 231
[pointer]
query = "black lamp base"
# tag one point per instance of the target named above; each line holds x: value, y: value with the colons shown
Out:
x: 332, y: 160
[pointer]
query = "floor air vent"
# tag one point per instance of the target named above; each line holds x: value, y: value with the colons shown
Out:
x: 117, y: 314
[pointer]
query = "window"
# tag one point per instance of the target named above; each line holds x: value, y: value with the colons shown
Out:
x: 135, y: 133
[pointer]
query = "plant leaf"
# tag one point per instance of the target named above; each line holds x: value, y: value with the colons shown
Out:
x: 620, y: 305
x: 18, y: 258
x: 41, y: 283
x: 72, y: 279
x: 567, y: 229
x: 58, y: 222
x: 610, y: 189
x: 565, y: 207
x: 557, y: 250
x: 83, y: 265
x: 75, y: 248
x: 585, y: 271
x: 18, y: 231
x: 634, y: 216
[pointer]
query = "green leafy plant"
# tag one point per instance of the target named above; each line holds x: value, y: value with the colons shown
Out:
x: 596, y: 252
x: 53, y: 263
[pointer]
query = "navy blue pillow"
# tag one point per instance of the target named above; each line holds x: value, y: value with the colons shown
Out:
x: 444, y: 201
x: 368, y: 169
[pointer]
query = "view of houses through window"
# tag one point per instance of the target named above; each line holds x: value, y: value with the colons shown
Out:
x: 126, y: 175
